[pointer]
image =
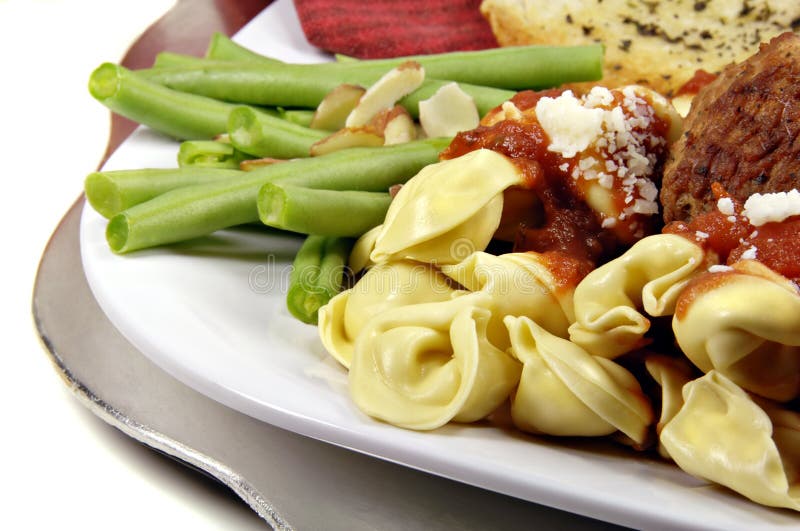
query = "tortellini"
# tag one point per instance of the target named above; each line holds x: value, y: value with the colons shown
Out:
x: 414, y: 360
x: 744, y: 323
x: 520, y: 284
x: 671, y: 374
x: 359, y: 256
x: 721, y: 434
x: 384, y: 286
x: 448, y: 210
x: 564, y: 390
x: 649, y: 276
x: 436, y: 330
x: 424, y: 365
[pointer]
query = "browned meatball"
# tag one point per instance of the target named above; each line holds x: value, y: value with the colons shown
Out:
x: 743, y: 131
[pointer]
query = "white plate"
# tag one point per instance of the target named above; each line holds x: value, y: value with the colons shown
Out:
x: 212, y: 314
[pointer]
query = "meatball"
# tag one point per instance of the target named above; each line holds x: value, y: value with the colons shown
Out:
x: 743, y: 131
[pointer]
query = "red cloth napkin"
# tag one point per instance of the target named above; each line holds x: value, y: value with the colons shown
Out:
x: 370, y: 29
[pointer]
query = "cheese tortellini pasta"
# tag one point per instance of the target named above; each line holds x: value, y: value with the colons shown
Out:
x: 649, y: 276
x: 564, y: 390
x: 721, y: 434
x: 520, y: 284
x: 384, y: 286
x: 436, y: 330
x: 448, y: 210
x: 744, y: 323
x: 423, y: 365
x: 671, y: 374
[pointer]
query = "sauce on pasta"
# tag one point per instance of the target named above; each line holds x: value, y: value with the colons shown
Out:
x: 556, y: 208
x: 731, y: 238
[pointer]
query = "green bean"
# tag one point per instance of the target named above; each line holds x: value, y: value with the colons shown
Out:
x: 259, y: 135
x: 209, y: 154
x: 221, y: 47
x: 342, y: 58
x: 111, y: 192
x: 177, y: 114
x: 293, y: 85
x: 510, y: 67
x: 297, y: 116
x: 193, y: 211
x: 322, y: 212
x: 169, y: 59
x: 317, y: 275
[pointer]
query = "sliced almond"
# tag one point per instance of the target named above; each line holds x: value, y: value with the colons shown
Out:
x: 399, y: 129
x: 449, y: 111
x: 379, y: 121
x: 347, y: 138
x: 388, y: 90
x: 336, y: 106
x: 682, y: 104
x: 395, y: 124
x: 252, y: 164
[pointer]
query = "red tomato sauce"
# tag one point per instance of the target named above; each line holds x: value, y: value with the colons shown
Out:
x: 563, y: 222
x: 699, y: 80
x: 777, y: 247
x: 568, y: 225
x: 732, y: 238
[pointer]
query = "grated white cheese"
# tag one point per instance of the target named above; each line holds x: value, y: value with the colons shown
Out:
x: 719, y: 268
x: 725, y: 205
x: 583, y: 128
x: 750, y: 253
x: 700, y: 235
x: 599, y: 97
x: 775, y: 207
x: 511, y: 111
x: 608, y: 223
x: 570, y: 126
x: 647, y: 189
x: 643, y: 206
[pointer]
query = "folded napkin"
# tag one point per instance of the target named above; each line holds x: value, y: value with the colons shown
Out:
x: 394, y: 28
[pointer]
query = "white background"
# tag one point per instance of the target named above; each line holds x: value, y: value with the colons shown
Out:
x: 62, y: 467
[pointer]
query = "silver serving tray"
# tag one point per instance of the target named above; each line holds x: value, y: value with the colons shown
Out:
x: 291, y: 481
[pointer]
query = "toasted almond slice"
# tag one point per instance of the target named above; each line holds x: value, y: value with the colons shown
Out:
x: 252, y: 164
x: 394, y: 190
x: 682, y: 104
x: 388, y: 90
x: 395, y: 124
x: 336, y: 106
x: 347, y: 138
x: 449, y: 111
x: 399, y: 129
x: 379, y: 121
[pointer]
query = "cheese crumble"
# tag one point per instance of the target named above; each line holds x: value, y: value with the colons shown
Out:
x: 609, y: 135
x: 775, y: 207
x: 719, y: 268
x: 750, y: 254
x: 725, y: 205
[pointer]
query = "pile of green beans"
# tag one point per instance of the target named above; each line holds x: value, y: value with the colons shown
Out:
x: 176, y: 209
x: 190, y: 97
x: 235, y: 106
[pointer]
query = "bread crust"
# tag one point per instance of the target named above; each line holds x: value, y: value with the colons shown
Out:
x: 659, y: 43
